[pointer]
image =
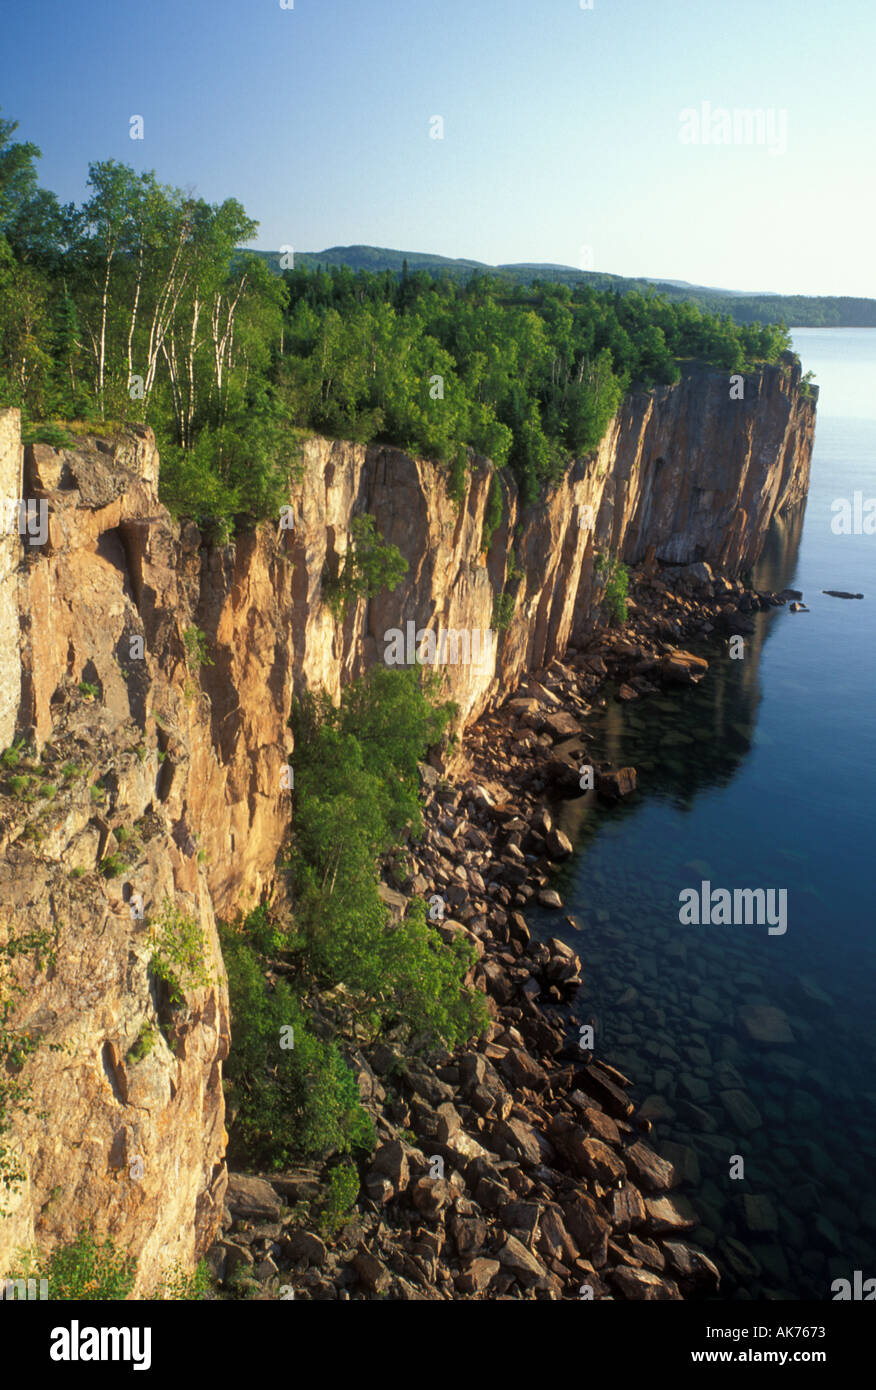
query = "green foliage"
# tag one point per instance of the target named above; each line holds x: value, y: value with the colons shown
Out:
x: 140, y: 304
x: 196, y: 646
x: 11, y: 756
x: 369, y: 567
x: 514, y: 573
x: 356, y: 795
x: 493, y: 512
x: 340, y: 1199
x: 457, y: 476
x: 49, y: 433
x: 83, y: 1269
x: 145, y: 1041
x: 615, y: 592
x: 178, y: 1287
x: 90, y: 691
x: 112, y: 865
x: 293, y: 1100
x: 178, y: 951
x: 264, y: 931
x: 503, y: 610
x: 16, y: 1046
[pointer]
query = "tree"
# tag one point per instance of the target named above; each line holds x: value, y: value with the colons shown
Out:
x: 107, y: 223
x: 18, y: 175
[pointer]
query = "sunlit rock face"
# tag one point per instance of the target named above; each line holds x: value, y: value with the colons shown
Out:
x: 99, y: 667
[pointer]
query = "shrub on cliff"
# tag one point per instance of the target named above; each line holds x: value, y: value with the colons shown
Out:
x: 356, y: 796
x: 97, y: 1271
x: 614, y: 596
x: 292, y: 1093
x: 178, y: 951
x: 82, y: 1269
x: 369, y: 566
x: 493, y: 513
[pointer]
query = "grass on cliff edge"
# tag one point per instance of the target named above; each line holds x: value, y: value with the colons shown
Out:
x: 95, y: 1270
x: 356, y: 798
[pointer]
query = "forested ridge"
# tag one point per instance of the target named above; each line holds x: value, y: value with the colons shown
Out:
x: 139, y: 304
x: 793, y: 310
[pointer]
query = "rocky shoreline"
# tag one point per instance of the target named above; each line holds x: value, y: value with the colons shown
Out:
x: 517, y: 1167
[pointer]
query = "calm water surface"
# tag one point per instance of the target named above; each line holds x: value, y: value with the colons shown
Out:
x: 760, y: 777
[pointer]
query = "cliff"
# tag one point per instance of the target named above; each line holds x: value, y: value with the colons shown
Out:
x: 186, y: 758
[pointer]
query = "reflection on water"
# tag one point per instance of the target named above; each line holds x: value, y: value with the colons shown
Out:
x: 742, y: 1045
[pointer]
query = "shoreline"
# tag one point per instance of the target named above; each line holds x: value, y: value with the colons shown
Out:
x: 550, y: 1189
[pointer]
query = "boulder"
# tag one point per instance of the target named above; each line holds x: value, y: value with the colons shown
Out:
x: 670, y: 1213
x: 559, y: 846
x: 514, y: 1139
x: 760, y: 1214
x: 562, y: 725
x: 548, y: 897
x: 300, y: 1245
x: 396, y: 902
x: 742, y: 1111
x: 468, y: 1232
x: 554, y: 1241
x: 699, y: 574
x: 596, y: 1082
x: 614, y: 785
x: 765, y: 1024
x: 523, y: 1070
x: 252, y: 1198
x: 589, y: 1227
x: 430, y: 1196
x: 643, y: 1285
x: 542, y: 822
x: 372, y: 1274
x: 477, y: 1276
x: 513, y: 1255
x: 391, y: 1162
x: 694, y: 1269
x: 683, y: 668
x: 627, y: 1207
x: 654, y: 1173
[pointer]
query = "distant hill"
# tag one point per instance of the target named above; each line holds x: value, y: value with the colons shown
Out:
x: 745, y: 306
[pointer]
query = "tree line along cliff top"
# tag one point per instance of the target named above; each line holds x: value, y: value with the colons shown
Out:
x: 139, y: 305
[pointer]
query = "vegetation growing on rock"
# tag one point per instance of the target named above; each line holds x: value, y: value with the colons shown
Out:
x: 140, y: 305
x: 356, y: 797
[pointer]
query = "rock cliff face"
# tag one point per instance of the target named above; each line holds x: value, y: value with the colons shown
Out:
x: 186, y: 758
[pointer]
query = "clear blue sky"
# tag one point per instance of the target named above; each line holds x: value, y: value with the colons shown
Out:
x: 562, y: 125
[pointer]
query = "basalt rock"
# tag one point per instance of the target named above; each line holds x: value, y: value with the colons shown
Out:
x: 195, y: 754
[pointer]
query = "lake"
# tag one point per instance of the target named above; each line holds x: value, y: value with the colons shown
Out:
x: 754, y: 1053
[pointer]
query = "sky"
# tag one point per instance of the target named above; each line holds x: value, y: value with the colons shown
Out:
x: 570, y: 135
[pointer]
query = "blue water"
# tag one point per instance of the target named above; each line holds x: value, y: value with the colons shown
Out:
x: 762, y: 776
